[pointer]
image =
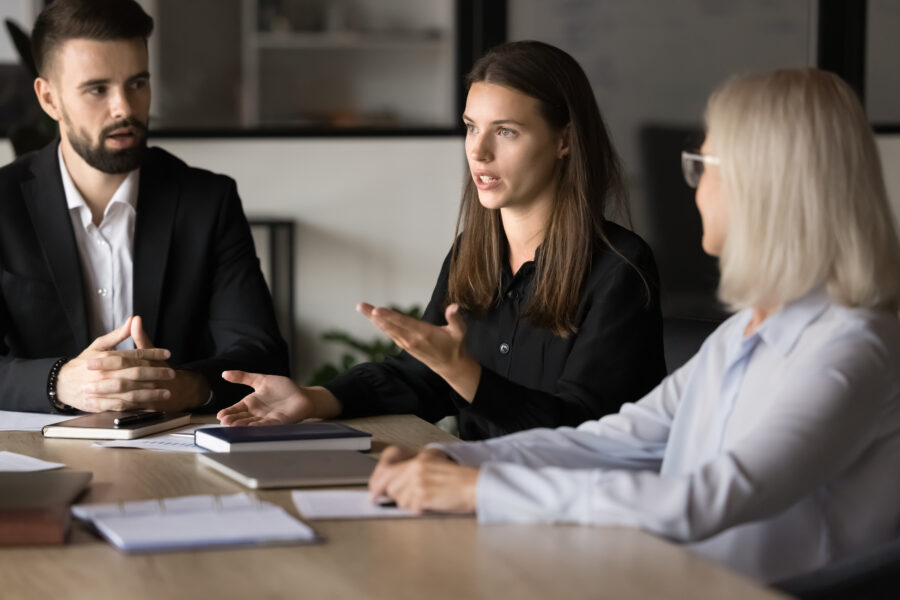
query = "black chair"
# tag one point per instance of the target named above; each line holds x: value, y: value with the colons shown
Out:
x: 873, y: 575
x: 682, y: 338
x: 274, y: 240
x: 688, y: 277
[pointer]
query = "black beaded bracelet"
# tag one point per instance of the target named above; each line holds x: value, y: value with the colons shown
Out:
x: 52, y: 378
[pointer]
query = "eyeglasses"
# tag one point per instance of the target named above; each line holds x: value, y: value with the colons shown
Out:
x: 692, y: 165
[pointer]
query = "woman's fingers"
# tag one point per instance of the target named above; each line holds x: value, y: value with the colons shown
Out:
x: 455, y: 322
x: 391, y: 459
x: 387, y: 318
x: 254, y: 380
x: 240, y: 409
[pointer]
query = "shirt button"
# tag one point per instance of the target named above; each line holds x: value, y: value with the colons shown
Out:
x: 510, y: 294
x: 103, y: 291
x: 504, y: 348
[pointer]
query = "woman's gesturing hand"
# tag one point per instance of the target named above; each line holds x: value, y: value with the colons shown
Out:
x: 276, y: 400
x: 440, y: 348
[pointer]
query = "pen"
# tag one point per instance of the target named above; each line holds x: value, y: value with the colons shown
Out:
x: 140, y: 417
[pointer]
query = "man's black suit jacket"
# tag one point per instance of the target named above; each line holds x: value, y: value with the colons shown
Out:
x: 197, y: 282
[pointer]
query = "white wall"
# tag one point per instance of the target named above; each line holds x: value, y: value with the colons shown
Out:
x: 375, y: 218
x: 889, y: 146
x: 23, y: 13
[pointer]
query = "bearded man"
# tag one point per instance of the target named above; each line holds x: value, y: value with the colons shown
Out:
x: 128, y: 279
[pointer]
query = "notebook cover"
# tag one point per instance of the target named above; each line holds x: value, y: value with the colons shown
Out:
x: 100, y: 426
x: 280, y: 433
x: 299, y: 436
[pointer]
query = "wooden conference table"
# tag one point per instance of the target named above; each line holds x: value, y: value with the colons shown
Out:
x: 430, y: 558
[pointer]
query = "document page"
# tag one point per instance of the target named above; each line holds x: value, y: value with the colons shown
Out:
x: 11, y: 461
x: 174, y: 441
x: 161, y: 443
x: 343, y: 504
x: 26, y: 421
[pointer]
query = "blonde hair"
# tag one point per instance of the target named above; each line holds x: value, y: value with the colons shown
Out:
x: 804, y: 193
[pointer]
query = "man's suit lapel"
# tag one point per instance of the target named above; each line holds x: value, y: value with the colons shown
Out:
x: 46, y: 202
x: 157, y: 201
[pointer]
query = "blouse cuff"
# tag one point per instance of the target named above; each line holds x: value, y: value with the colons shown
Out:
x: 492, y: 397
x: 514, y: 493
x: 352, y: 396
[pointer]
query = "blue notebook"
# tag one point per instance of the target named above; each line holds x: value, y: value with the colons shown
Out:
x: 300, y: 436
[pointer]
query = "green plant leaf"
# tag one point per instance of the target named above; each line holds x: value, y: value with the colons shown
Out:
x: 324, y: 374
x: 347, y: 361
x: 374, y: 350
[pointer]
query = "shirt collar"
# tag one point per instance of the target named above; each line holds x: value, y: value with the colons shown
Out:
x: 125, y: 194
x: 784, y: 328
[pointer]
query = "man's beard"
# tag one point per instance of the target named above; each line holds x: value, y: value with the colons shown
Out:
x: 116, y: 161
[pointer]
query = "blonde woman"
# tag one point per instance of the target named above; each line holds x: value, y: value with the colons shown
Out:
x: 775, y: 448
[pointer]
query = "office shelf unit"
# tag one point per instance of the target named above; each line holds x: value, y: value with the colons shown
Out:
x: 352, y: 63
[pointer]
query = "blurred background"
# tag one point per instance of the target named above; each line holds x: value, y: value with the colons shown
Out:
x: 339, y: 119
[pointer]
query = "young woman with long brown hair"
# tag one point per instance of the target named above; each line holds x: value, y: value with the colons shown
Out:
x: 545, y: 313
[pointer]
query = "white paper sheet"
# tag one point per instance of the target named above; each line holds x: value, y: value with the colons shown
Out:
x: 170, y: 441
x: 343, y: 504
x: 27, y: 421
x: 10, y: 461
x: 159, y: 443
x: 165, y: 444
x: 189, y: 431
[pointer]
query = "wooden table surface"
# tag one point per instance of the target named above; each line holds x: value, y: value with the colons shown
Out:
x: 434, y: 557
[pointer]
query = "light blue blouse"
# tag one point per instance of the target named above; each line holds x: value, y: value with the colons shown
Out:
x: 773, y: 453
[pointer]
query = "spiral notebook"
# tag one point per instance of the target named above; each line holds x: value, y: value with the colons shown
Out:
x: 194, y: 523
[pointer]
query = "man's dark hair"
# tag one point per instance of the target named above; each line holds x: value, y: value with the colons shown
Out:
x: 103, y: 20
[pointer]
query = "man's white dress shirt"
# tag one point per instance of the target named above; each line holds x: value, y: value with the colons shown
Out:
x: 774, y: 453
x: 105, y: 253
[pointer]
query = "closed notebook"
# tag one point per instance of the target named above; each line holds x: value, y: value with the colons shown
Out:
x: 34, y: 507
x: 292, y: 468
x: 300, y: 436
x: 101, y: 426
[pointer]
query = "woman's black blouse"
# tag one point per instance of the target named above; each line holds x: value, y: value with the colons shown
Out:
x: 530, y: 377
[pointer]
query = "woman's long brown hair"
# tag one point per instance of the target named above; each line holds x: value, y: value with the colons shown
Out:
x: 589, y: 188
